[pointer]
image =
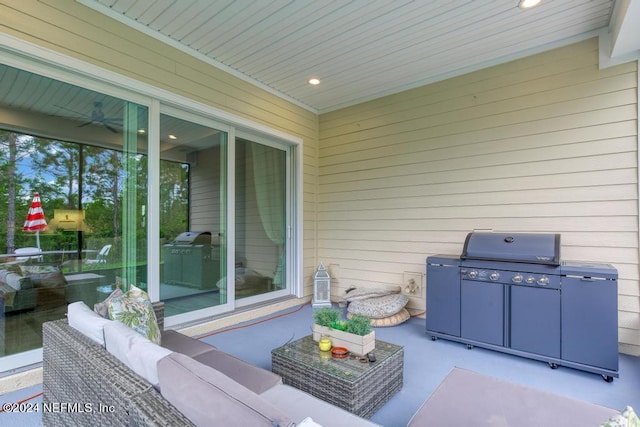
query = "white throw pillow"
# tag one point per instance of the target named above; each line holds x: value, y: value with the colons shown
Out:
x: 134, y: 350
x: 87, y: 321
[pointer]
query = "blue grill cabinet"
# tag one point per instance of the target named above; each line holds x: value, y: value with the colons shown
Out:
x: 527, y: 303
x: 529, y: 331
x: 590, y: 315
x: 443, y: 295
x: 482, y: 312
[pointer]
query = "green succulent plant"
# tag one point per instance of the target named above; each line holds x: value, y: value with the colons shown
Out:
x: 326, y: 316
x: 331, y: 318
x: 340, y: 325
x: 359, y: 325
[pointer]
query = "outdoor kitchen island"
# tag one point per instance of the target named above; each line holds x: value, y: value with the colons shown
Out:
x: 511, y: 293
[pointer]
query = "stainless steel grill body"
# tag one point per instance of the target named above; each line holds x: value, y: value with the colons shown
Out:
x: 191, y: 261
x: 511, y: 292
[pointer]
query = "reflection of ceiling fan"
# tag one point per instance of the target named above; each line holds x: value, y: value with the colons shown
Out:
x: 97, y: 117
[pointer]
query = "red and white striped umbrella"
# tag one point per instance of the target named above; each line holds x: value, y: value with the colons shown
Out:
x: 35, y: 221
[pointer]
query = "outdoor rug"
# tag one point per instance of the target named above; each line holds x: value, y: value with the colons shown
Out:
x: 466, y: 398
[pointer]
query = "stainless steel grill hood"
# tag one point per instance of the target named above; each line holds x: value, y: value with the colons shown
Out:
x: 513, y: 247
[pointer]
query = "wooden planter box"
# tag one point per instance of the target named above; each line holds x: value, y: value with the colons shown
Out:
x: 356, y: 344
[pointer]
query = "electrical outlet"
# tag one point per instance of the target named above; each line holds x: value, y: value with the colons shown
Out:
x: 412, y: 283
x: 334, y: 271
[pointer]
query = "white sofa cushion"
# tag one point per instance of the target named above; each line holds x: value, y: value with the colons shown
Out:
x: 299, y: 405
x: 85, y: 320
x: 209, y: 398
x: 134, y: 350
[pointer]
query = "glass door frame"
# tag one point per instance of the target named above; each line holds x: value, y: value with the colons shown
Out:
x: 208, y: 121
x: 37, y: 60
x: 290, y: 217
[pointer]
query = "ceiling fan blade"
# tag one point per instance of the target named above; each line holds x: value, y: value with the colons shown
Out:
x: 70, y: 110
x: 110, y: 128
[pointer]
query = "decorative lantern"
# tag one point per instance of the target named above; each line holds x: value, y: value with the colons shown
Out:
x: 321, y: 288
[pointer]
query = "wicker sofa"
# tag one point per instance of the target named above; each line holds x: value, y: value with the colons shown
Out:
x: 26, y: 286
x: 17, y: 293
x: 84, y: 384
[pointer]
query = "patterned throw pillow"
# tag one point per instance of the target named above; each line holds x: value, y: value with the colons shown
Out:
x: 356, y: 294
x: 102, y: 307
x: 135, y: 310
x: 13, y: 266
x: 15, y: 281
x: 44, y: 275
x: 384, y: 322
x: 627, y: 418
x: 398, y: 318
x: 379, y: 307
x: 39, y: 268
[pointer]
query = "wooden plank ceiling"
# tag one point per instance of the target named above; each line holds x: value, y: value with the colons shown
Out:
x: 360, y: 49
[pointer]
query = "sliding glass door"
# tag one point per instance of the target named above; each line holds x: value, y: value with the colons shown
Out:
x: 85, y: 154
x: 137, y: 191
x: 261, y: 218
x: 193, y: 205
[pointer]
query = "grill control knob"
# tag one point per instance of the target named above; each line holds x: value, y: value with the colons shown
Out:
x: 530, y: 280
x: 494, y: 276
x: 517, y: 278
x: 543, y: 281
x: 472, y: 274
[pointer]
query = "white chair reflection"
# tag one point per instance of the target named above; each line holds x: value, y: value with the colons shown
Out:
x: 28, y: 254
x: 101, y: 258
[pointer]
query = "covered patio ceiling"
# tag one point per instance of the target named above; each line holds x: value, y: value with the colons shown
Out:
x: 365, y: 49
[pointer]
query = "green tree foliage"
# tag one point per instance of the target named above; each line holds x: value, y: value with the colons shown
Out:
x: 15, y: 187
x: 60, y: 160
x: 102, y: 184
x: 77, y: 176
x: 174, y: 199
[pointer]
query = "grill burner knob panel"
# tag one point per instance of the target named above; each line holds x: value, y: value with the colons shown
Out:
x: 494, y: 276
x: 543, y: 281
x: 530, y: 280
x: 517, y: 278
x: 472, y: 274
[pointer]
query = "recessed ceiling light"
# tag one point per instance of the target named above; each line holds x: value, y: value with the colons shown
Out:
x: 528, y: 4
x: 173, y: 137
x: 314, y: 81
x: 142, y: 131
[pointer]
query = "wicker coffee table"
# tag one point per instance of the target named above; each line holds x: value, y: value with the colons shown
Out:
x: 360, y: 388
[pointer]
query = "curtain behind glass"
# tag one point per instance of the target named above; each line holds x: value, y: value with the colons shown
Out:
x: 269, y: 180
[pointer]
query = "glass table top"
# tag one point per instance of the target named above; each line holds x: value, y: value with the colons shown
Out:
x: 305, y: 351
